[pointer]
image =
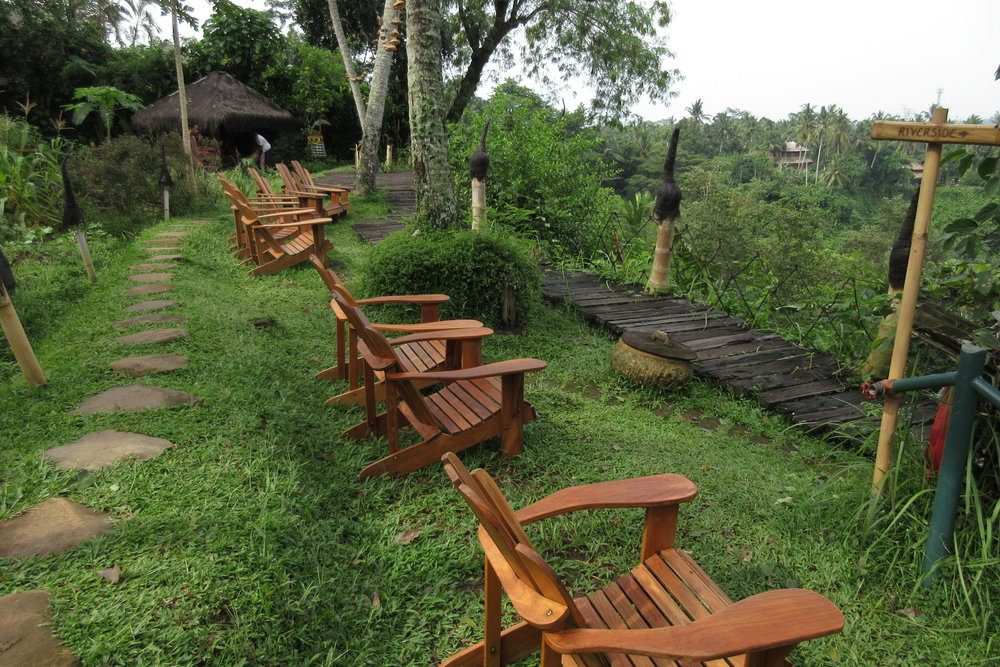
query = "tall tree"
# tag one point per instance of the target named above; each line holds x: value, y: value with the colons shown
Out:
x: 428, y: 141
x: 804, y: 124
x: 613, y: 44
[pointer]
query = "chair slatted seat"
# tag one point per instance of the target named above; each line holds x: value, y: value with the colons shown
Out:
x: 665, y: 612
x: 474, y: 404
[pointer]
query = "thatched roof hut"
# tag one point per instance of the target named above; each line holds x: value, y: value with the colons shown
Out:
x: 219, y: 105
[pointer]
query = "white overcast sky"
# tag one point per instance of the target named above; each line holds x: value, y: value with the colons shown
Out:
x: 770, y: 57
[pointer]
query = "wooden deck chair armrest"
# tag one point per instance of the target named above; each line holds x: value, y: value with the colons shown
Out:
x: 406, y: 298
x: 510, y: 367
x: 421, y: 327
x: 326, y: 188
x: 297, y: 223
x: 449, y: 334
x: 772, y: 620
x: 653, y: 491
x: 287, y: 211
x: 306, y: 193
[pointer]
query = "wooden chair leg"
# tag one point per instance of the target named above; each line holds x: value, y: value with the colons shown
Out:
x: 774, y: 657
x: 341, y: 352
x: 352, y: 359
x: 491, y: 621
x: 511, y: 419
x: 658, y: 531
x: 429, y: 312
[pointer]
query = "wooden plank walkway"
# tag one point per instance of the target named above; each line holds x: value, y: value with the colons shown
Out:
x: 400, y: 196
x: 801, y: 384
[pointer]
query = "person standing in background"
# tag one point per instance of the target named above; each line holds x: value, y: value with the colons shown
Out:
x: 264, y: 157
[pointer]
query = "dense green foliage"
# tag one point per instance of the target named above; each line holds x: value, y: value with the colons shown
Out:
x: 545, y: 178
x: 474, y: 269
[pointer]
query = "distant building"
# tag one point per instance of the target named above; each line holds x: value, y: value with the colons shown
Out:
x: 794, y: 157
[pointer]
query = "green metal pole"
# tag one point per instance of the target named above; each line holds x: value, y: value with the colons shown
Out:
x: 956, y: 452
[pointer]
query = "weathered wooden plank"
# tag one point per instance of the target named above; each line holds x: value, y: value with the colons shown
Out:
x: 667, y: 317
x: 817, y: 388
x: 724, y: 351
x: 787, y: 351
x: 699, y: 340
x: 761, y: 383
x: 753, y: 370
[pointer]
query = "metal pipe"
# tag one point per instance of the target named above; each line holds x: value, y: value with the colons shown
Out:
x: 971, y: 362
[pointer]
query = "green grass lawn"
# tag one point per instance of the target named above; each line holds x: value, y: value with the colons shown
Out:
x: 253, y: 542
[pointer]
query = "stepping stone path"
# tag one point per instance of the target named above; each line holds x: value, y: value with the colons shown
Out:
x: 152, y: 336
x: 151, y: 277
x: 149, y: 364
x: 53, y: 526
x: 161, y: 304
x: 142, y: 290
x: 136, y: 397
x: 26, y: 632
x: 153, y: 267
x: 58, y: 524
x: 105, y: 448
x: 151, y: 319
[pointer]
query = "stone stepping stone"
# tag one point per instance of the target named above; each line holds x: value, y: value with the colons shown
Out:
x: 152, y: 363
x: 172, y: 235
x: 152, y: 337
x: 53, y: 526
x: 105, y: 448
x: 151, y: 277
x: 170, y: 241
x: 162, y: 249
x: 165, y: 258
x: 161, y: 304
x: 151, y: 319
x: 136, y: 397
x: 26, y: 636
x: 149, y: 289
x: 153, y: 267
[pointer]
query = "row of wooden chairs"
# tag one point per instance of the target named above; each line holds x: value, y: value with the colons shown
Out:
x: 665, y: 611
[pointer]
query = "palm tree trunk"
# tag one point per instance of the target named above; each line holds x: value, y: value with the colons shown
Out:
x: 429, y: 143
x: 182, y: 93
x: 338, y: 31
x: 371, y: 122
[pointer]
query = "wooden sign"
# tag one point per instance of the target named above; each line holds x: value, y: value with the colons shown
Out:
x: 984, y: 135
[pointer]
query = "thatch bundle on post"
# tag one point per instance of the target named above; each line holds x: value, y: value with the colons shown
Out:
x: 666, y: 210
x: 12, y: 329
x: 479, y: 165
x: 73, y: 217
x: 218, y: 104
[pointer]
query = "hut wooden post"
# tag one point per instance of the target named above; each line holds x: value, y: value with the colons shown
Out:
x: 72, y: 217
x: 19, y: 345
x: 666, y: 210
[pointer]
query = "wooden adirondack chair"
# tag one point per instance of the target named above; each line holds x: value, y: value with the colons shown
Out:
x: 305, y: 179
x: 285, y: 210
x: 272, y: 253
x: 422, y: 355
x: 475, y: 403
x: 666, y: 611
x: 338, y: 203
x: 266, y: 192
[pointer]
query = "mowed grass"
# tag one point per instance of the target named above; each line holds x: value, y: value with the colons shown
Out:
x: 253, y: 542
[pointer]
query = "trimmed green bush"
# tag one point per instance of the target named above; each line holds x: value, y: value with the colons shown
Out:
x: 474, y: 268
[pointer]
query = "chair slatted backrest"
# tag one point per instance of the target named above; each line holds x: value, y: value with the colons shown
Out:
x: 263, y: 185
x: 508, y: 549
x: 380, y: 355
x: 247, y: 213
x: 333, y: 283
x: 291, y: 181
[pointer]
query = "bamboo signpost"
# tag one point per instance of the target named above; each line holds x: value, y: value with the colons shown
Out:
x: 12, y: 329
x: 935, y: 134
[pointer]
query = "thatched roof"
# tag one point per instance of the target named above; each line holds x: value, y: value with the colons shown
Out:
x: 216, y: 103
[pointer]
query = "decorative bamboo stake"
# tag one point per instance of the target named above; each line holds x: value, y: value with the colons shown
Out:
x: 12, y: 329
x: 876, y: 366
x: 666, y: 210
x: 388, y: 156
x: 357, y: 155
x: 72, y: 217
x: 479, y: 164
x: 908, y: 303
x: 166, y: 183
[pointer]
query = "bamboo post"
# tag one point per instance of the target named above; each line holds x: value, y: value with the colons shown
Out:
x: 908, y: 302
x: 479, y: 165
x: 19, y: 345
x: 88, y: 263
x: 478, y: 203
x: 388, y: 156
x: 357, y: 156
x: 666, y: 210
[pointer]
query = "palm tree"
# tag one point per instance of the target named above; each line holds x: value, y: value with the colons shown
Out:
x: 140, y: 21
x: 697, y: 112
x: 804, y: 125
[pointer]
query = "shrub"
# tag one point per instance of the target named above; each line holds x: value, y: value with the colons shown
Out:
x: 117, y: 182
x: 474, y: 268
